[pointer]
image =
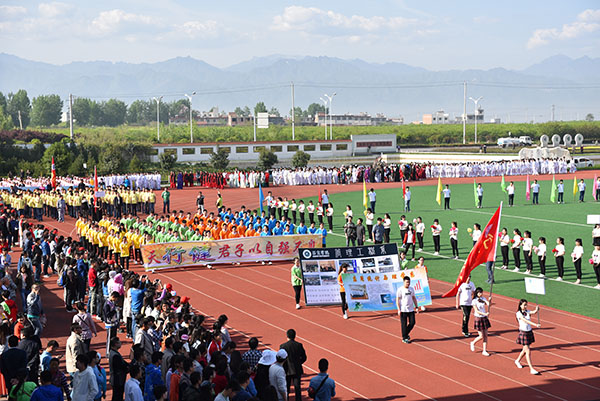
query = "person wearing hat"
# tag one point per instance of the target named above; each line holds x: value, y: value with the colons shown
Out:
x: 277, y: 376
x: 261, y: 379
x: 296, y: 356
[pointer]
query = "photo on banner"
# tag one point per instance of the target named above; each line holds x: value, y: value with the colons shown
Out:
x: 321, y: 266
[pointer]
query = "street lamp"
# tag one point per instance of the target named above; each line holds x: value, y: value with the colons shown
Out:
x: 157, y: 100
x: 191, y: 129
x: 330, y: 98
x: 325, y: 102
x: 476, y: 101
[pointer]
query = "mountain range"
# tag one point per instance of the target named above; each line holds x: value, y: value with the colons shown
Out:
x: 396, y: 89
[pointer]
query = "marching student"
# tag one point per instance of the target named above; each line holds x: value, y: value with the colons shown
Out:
x: 343, y: 270
x: 454, y: 239
x: 482, y: 321
x: 479, y: 196
x: 476, y: 233
x: 436, y: 230
x: 464, y: 301
x: 526, y: 337
x: 409, y: 240
x: 420, y: 229
x: 576, y: 256
x: 540, y: 251
x: 406, y: 302
x: 516, y: 248
x: 596, y: 264
x: 528, y: 251
x: 559, y: 256
x: 510, y: 189
x: 297, y: 280
x: 504, y: 243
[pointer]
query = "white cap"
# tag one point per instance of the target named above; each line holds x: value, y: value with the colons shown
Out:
x: 282, y: 354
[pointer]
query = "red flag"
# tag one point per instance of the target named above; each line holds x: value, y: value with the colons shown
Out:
x: 53, y: 180
x: 403, y: 188
x: 483, y: 251
x: 95, y: 187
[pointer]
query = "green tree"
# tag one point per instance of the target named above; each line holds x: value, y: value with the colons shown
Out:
x: 135, y: 165
x: 274, y: 112
x: 267, y: 159
x: 96, y: 114
x: 589, y: 117
x: 46, y: 110
x: 18, y: 103
x: 300, y: 159
x: 114, y: 112
x: 315, y: 108
x: 260, y: 108
x: 246, y: 111
x: 76, y: 167
x: 63, y: 156
x: 3, y: 102
x: 167, y: 160
x: 111, y: 160
x: 239, y: 111
x: 298, y: 114
x: 219, y: 160
x: 5, y: 120
x: 82, y: 111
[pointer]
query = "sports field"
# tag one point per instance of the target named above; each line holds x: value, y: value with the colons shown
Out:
x: 547, y: 219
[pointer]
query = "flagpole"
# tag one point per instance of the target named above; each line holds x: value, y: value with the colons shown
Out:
x: 494, y: 262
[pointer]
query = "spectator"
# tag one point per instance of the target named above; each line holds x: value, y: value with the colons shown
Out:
x: 277, y: 375
x: 160, y: 393
x: 34, y: 309
x: 243, y: 379
x: 47, y: 355
x: 32, y: 345
x: 94, y: 358
x: 153, y: 376
x: 21, y: 389
x: 13, y: 360
x: 296, y: 356
x: 133, y: 392
x: 85, y: 386
x: 74, y: 348
x: 118, y: 369
x: 111, y: 320
x: 88, y: 327
x: 193, y: 392
x: 186, y: 371
x: 47, y: 391
x: 229, y: 391
x: 253, y: 355
x: 167, y: 355
x: 143, y: 337
x: 59, y: 379
x: 323, y: 385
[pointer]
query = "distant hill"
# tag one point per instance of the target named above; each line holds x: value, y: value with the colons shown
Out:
x: 392, y: 88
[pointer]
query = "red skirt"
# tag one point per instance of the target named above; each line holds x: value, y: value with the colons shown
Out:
x: 525, y: 338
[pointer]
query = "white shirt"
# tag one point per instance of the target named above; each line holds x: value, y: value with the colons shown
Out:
x: 372, y: 196
x: 541, y: 250
x: 436, y: 229
x: 596, y: 232
x: 407, y: 196
x: 387, y: 223
x: 465, y: 293
x: 581, y: 186
x: 420, y: 228
x: 479, y: 191
x: 510, y: 189
x: 454, y: 233
x: 523, y: 326
x: 85, y: 386
x: 577, y: 252
x: 324, y: 198
x: 527, y: 244
x: 369, y: 219
x: 133, y: 392
x: 517, y: 239
x: 596, y: 256
x: 535, y: 188
x: 446, y: 192
x: 476, y: 234
x: 504, y: 240
x: 277, y: 380
x: 560, y: 249
x: 479, y: 307
x: 405, y: 297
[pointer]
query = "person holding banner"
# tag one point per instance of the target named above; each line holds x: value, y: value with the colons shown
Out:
x: 464, y: 301
x: 343, y: 270
x: 406, y: 302
x: 526, y: 337
x: 482, y: 322
x: 297, y: 280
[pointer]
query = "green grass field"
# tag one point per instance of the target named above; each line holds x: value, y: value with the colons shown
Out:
x: 546, y: 219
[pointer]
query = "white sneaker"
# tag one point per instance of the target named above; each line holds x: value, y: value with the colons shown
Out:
x: 541, y: 275
x: 329, y: 231
x: 559, y: 279
x: 534, y: 372
x: 516, y: 269
x: 598, y: 286
x: 270, y: 263
x: 345, y: 315
x: 419, y: 250
x: 436, y: 253
x: 518, y: 364
x: 578, y: 281
x: 472, y: 346
x: 263, y: 262
x: 485, y: 353
x: 528, y: 272
x: 297, y: 306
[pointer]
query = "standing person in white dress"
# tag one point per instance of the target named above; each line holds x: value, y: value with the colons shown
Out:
x: 406, y: 302
x: 482, y: 322
x: 526, y: 337
x: 464, y: 300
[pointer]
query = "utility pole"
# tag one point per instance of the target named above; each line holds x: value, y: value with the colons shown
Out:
x: 476, y: 101
x: 464, y: 112
x: 20, y: 121
x: 254, y: 125
x: 71, y: 115
x: 191, y: 118
x: 552, y: 115
x: 293, y: 115
x: 157, y: 100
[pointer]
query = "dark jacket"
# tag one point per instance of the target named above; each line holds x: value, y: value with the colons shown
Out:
x: 32, y: 346
x: 118, y: 368
x: 296, y: 357
x: 11, y: 361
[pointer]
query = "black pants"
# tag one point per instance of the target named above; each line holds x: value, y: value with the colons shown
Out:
x: 344, y: 303
x: 561, y: 197
x: 536, y: 197
x: 409, y: 245
x: 597, y: 271
x: 302, y: 218
x: 297, y: 389
x: 454, y: 243
x: 320, y: 218
x: 330, y: 222
x: 420, y: 239
x: 436, y: 243
x: 511, y: 200
x: 446, y: 203
x: 373, y: 206
x: 577, y: 264
x: 297, y: 290
x: 542, y: 261
x: 517, y: 257
x: 370, y: 231
x: 407, y: 321
x: 480, y: 199
x: 504, y: 251
x: 466, y: 310
x: 350, y: 241
x: 560, y: 265
x: 294, y: 217
x: 386, y: 235
x: 311, y: 217
x: 528, y: 260
x: 118, y: 392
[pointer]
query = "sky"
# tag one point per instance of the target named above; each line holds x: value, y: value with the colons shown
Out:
x: 437, y: 35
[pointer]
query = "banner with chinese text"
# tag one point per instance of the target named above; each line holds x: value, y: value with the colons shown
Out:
x: 320, y: 268
x: 246, y: 249
x: 366, y: 292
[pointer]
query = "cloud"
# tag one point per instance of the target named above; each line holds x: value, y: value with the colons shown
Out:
x: 11, y: 11
x: 316, y: 20
x: 111, y: 21
x: 53, y: 10
x: 198, y: 29
x: 587, y: 22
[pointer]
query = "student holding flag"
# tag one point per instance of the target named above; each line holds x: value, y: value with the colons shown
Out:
x: 526, y: 337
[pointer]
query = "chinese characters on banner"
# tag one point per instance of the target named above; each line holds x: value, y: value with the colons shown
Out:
x: 320, y: 268
x: 377, y: 291
x: 248, y: 249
